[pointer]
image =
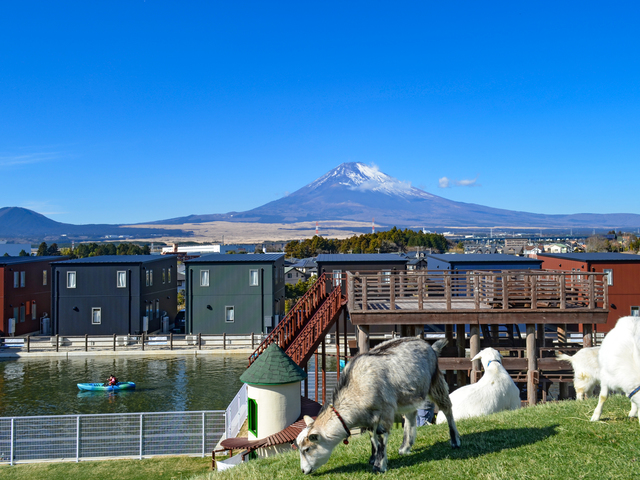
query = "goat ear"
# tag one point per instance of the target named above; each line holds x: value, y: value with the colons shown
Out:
x: 477, y: 357
x: 308, y: 420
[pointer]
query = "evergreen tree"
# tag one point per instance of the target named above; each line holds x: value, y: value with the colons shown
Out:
x: 42, y: 250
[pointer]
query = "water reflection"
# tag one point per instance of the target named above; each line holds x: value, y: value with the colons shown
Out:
x: 177, y: 383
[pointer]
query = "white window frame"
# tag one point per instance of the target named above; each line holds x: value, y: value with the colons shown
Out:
x: 121, y: 279
x: 609, y: 272
x: 23, y: 279
x: 72, y: 279
x: 254, y: 278
x: 95, y: 310
x: 635, y: 311
x: 44, y: 277
x: 386, y: 277
x: 229, y: 309
x: 204, y: 278
x: 337, y: 278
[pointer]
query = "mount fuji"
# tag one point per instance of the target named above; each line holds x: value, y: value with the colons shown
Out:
x: 358, y: 192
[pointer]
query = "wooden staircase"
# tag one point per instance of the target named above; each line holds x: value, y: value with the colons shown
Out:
x: 303, y: 328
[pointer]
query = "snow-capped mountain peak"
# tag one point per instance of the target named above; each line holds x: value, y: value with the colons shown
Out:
x: 365, y: 178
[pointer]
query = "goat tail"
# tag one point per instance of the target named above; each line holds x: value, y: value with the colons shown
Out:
x: 563, y: 357
x: 439, y: 345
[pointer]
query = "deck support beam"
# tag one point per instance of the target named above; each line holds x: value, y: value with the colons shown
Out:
x: 532, y: 364
x: 474, y: 347
x: 363, y: 338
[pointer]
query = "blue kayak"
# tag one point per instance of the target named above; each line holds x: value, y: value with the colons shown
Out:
x: 107, y: 388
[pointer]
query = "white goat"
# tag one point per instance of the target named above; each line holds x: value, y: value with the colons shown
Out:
x: 395, y: 377
x: 620, y: 364
x: 494, y: 392
x: 586, y: 370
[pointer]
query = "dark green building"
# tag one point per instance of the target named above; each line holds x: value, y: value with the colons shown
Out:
x: 236, y: 294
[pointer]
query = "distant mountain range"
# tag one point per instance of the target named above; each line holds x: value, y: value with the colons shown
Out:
x: 350, y: 192
x: 20, y: 223
x: 355, y: 191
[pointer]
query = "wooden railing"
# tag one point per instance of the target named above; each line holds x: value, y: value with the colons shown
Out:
x: 309, y: 338
x: 293, y: 323
x: 477, y: 291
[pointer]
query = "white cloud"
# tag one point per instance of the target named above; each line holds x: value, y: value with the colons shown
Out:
x: 27, y: 158
x: 445, y: 182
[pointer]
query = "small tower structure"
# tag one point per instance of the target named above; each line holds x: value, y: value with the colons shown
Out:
x: 273, y: 392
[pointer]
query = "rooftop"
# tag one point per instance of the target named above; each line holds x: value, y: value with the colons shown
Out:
x: 116, y: 259
x: 19, y: 260
x: 237, y: 258
x: 595, y: 257
x: 273, y: 367
x: 361, y: 257
x: 454, y: 258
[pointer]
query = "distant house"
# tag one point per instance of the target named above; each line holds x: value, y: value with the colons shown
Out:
x: 25, y: 293
x: 235, y: 293
x: 292, y: 275
x: 308, y: 266
x: 336, y: 265
x: 494, y: 262
x: 556, y: 248
x: 110, y: 294
x: 623, y: 278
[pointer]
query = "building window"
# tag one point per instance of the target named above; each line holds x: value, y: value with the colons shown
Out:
x: 169, y: 275
x: 204, y: 278
x: 609, y: 273
x: 22, y: 313
x: 635, y: 311
x: 157, y: 308
x: 252, y: 416
x: 16, y: 313
x: 122, y: 279
x: 23, y: 278
x: 337, y: 278
x: 386, y: 277
x: 33, y: 310
x: 44, y: 277
x: 96, y: 316
x: 229, y: 314
x: 164, y: 275
x: 151, y: 278
x: 16, y: 279
x: 288, y: 275
x: 71, y: 279
x: 254, y: 279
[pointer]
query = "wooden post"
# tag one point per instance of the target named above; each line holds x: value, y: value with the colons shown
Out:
x: 364, y: 293
x: 474, y: 347
x: 351, y: 297
x: 563, y: 298
x: 86, y: 342
x: 199, y: 341
x: 171, y: 341
x: 534, y: 292
x: 114, y: 342
x: 592, y: 293
x: 587, y: 330
x: 392, y: 292
x: 57, y: 342
x: 252, y: 343
x: 346, y: 344
x: 338, y: 348
x: 476, y: 290
x: 420, y: 292
x: 142, y: 340
x: 363, y: 338
x: 224, y: 340
x: 461, y: 343
x: 324, y: 376
x: 532, y: 372
x: 505, y: 291
x: 447, y: 290
x: 317, y: 373
x: 28, y: 343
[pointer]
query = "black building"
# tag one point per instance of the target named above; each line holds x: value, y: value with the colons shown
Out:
x: 114, y: 294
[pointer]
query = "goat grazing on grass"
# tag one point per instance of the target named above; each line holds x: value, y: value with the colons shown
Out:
x: 619, y: 359
x: 586, y: 370
x: 494, y: 392
x: 395, y: 377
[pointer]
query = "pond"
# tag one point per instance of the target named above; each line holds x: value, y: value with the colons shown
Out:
x: 47, y: 386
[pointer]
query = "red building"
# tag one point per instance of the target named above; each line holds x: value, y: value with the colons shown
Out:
x: 25, y: 292
x: 623, y: 278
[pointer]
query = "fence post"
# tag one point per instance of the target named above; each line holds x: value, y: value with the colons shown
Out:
x: 57, y: 342
x: 203, y: 434
x: 171, y: 341
x: 141, y: 438
x: 114, y: 342
x: 252, y: 347
x: 12, y: 441
x: 86, y: 342
x: 142, y: 337
x: 224, y: 340
x: 28, y: 343
x: 77, y: 438
x: 199, y: 341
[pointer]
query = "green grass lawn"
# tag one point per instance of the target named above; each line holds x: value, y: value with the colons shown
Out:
x: 554, y: 440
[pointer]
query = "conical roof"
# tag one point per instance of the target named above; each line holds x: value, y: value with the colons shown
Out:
x: 273, y: 367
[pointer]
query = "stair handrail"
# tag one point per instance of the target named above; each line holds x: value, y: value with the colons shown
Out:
x: 289, y: 327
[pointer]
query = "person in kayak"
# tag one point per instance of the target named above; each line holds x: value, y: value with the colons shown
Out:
x: 112, y: 381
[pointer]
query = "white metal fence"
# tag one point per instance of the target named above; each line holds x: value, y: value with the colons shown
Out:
x: 84, y: 437
x: 236, y: 413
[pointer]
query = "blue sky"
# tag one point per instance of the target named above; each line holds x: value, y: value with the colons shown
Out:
x: 134, y: 111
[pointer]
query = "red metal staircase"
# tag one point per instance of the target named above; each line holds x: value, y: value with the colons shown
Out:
x: 303, y: 328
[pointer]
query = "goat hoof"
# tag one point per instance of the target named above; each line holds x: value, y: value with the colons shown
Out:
x: 404, y: 451
x: 372, y: 460
x: 377, y: 469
